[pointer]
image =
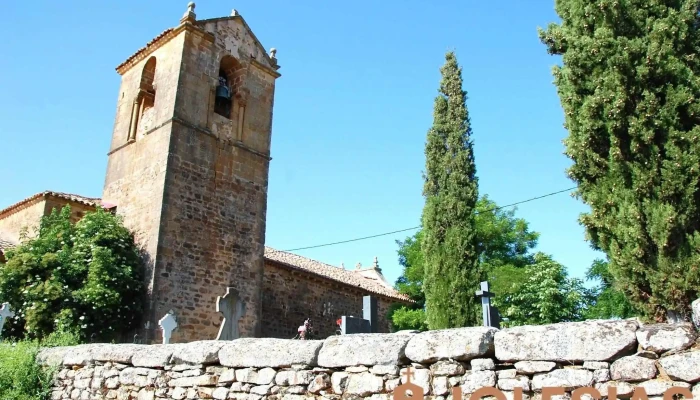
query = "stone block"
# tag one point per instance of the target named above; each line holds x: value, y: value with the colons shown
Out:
x: 119, y: 353
x: 515, y: 382
x: 482, y: 364
x: 601, y: 375
x: 319, y: 383
x: 475, y: 380
x: 201, y: 352
x: 391, y: 370
x: 79, y: 355
x: 658, y: 387
x: 660, y: 338
x: 507, y: 373
x: 683, y: 367
x: 268, y: 352
x: 633, y: 369
x: 533, y: 367
x: 595, y: 340
x: 457, y: 344
x: 623, y: 389
x: 364, y: 384
x: 596, y: 365
x: 52, y: 357
x: 570, y: 379
x: 447, y: 368
x: 362, y: 349
x: 155, y: 356
x: 202, y: 380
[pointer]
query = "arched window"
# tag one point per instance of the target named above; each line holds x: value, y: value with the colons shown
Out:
x: 145, y: 98
x: 147, y: 76
x: 230, y: 77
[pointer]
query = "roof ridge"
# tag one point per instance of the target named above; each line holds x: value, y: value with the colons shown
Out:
x: 344, y: 276
x: 91, y: 201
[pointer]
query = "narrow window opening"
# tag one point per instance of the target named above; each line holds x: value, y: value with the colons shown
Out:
x: 147, y: 78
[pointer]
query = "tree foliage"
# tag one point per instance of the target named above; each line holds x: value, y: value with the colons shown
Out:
x: 451, y: 267
x: 610, y: 300
x: 631, y: 98
x: 84, y: 278
x: 546, y: 296
x: 504, y: 244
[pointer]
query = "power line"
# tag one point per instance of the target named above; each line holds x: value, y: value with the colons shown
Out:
x: 417, y: 227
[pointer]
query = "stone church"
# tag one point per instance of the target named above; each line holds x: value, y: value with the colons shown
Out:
x: 188, y: 170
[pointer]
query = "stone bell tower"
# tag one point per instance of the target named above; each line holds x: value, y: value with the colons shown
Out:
x: 188, y: 169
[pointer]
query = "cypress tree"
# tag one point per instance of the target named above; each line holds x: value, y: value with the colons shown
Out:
x: 630, y: 91
x: 451, y: 190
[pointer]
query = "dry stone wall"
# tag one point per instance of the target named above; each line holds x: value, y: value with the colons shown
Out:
x: 620, y: 355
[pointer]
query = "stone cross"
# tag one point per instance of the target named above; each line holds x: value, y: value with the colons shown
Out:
x: 233, y: 309
x: 168, y: 323
x: 487, y: 310
x: 5, y: 313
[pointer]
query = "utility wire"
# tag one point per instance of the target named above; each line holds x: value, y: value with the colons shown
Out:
x: 417, y: 227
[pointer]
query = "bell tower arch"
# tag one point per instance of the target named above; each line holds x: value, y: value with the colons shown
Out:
x: 188, y: 169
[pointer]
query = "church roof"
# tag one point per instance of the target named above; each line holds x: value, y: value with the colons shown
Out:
x: 88, y: 201
x: 347, y: 277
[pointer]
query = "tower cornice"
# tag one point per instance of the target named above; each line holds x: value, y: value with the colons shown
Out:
x: 159, y: 41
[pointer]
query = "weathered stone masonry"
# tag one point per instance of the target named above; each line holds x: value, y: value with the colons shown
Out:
x: 600, y: 354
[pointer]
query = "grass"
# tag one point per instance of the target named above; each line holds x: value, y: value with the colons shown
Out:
x: 21, y: 378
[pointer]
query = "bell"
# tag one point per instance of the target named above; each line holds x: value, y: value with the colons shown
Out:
x: 222, y: 91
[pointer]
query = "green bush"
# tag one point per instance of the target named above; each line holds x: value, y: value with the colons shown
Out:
x: 21, y: 378
x: 78, y: 277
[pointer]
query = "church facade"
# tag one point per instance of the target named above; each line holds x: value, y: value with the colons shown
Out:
x: 188, y: 170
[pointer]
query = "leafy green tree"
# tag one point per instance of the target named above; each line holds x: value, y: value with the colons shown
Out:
x: 84, y: 278
x: 610, y: 301
x: 410, y: 283
x: 630, y: 93
x: 451, y: 191
x: 546, y: 296
x: 504, y: 243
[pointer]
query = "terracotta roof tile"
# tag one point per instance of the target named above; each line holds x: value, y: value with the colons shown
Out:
x: 88, y: 201
x: 335, y: 273
x: 153, y: 41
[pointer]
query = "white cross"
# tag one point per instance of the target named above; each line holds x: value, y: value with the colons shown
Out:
x: 168, y: 323
x: 5, y: 313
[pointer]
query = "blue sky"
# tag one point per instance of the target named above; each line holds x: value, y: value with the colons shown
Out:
x: 352, y: 110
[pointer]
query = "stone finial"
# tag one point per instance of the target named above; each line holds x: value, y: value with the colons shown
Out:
x: 342, y: 265
x: 189, y: 15
x: 273, y: 53
x: 358, y: 266
x: 376, y: 262
x: 235, y: 13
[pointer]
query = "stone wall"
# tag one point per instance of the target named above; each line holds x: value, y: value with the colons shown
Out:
x: 289, y: 297
x: 28, y: 216
x: 595, y: 354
